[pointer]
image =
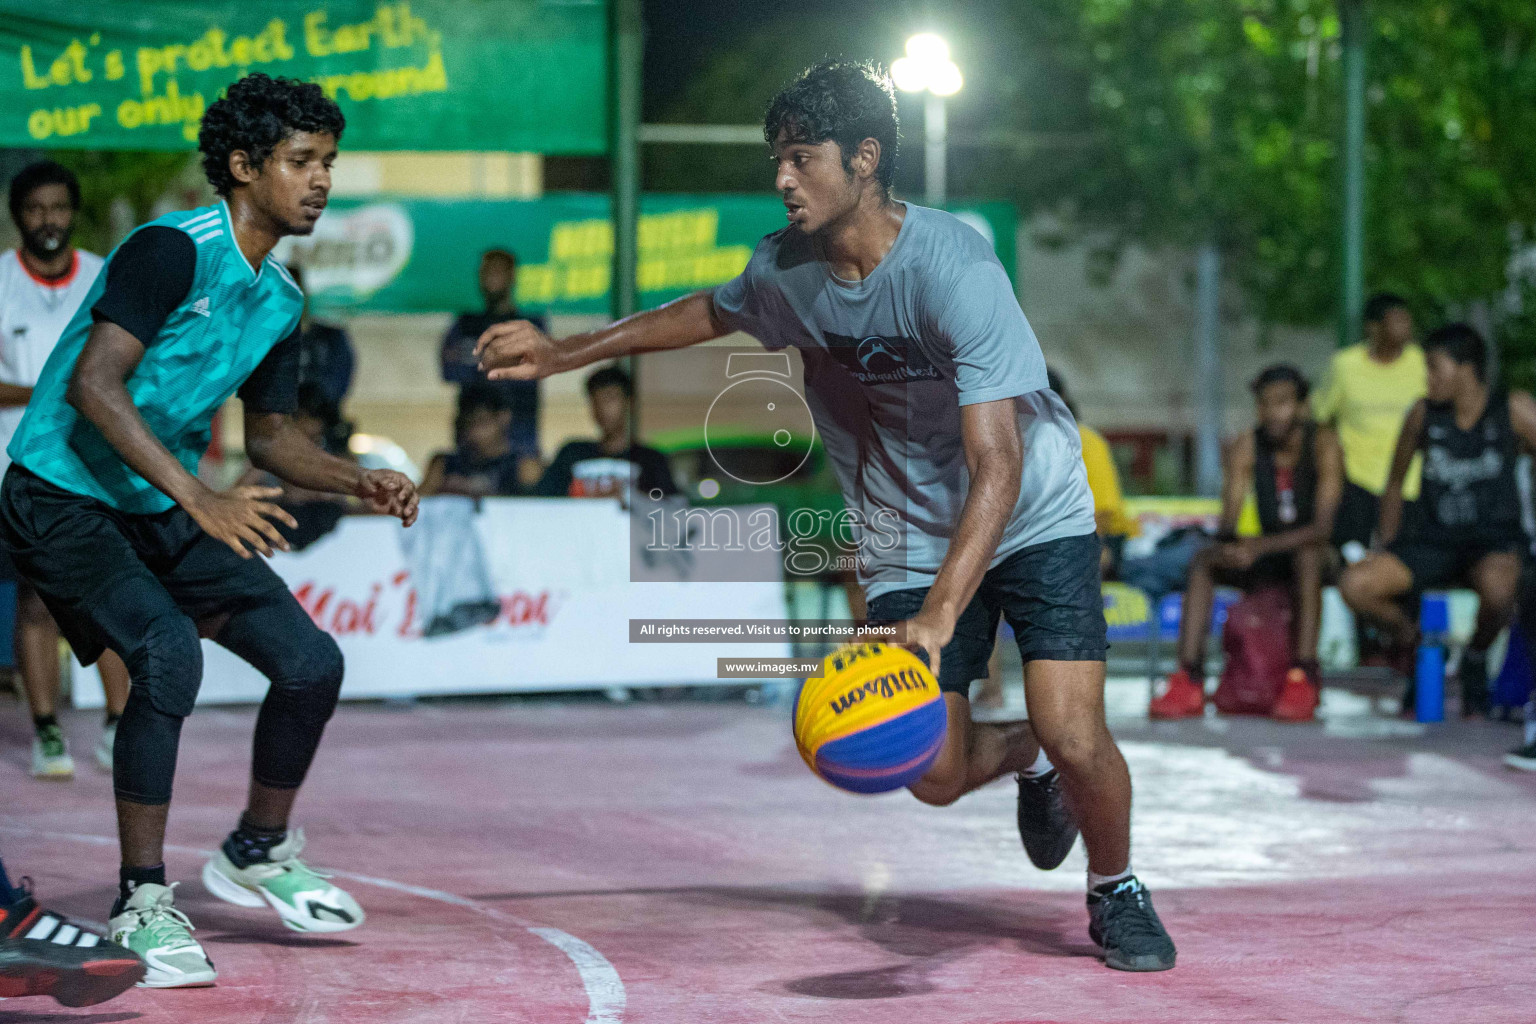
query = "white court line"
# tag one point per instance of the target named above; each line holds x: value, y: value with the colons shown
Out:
x: 605, y: 990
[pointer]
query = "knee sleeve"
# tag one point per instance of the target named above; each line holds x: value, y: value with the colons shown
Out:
x: 167, y: 663
x: 314, y: 679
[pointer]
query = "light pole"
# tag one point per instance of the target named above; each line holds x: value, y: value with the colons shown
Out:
x: 927, y: 69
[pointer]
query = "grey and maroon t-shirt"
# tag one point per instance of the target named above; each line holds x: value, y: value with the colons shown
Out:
x: 890, y: 360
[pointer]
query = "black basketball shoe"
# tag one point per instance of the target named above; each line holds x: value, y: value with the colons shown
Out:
x: 1046, y: 825
x: 43, y: 954
x: 1122, y: 922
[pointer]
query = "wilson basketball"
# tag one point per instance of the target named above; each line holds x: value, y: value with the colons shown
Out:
x: 873, y: 722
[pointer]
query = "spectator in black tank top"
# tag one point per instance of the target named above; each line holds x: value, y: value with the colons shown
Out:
x: 1470, y: 531
x: 1296, y: 471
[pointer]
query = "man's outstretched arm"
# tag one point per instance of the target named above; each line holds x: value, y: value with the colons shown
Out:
x: 517, y: 350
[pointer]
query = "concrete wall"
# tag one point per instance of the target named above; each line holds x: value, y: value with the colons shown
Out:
x: 1125, y: 346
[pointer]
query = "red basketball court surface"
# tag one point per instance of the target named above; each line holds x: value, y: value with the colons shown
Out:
x: 570, y: 861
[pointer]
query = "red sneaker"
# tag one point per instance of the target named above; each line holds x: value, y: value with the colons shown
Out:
x: 1298, y: 698
x: 1182, y: 697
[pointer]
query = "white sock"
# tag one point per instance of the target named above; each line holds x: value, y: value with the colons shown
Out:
x: 1040, y: 767
x: 1094, y: 881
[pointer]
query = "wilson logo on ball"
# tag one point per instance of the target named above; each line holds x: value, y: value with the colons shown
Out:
x: 886, y: 686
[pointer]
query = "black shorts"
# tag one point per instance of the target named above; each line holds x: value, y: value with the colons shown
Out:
x: 1446, y: 565
x: 1356, y: 517
x: 1268, y: 571
x: 1274, y: 571
x: 1048, y: 592
x: 74, y: 550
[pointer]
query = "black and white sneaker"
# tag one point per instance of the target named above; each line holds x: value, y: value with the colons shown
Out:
x: 1122, y: 922
x: 1523, y: 758
x: 1046, y: 825
x: 44, y: 954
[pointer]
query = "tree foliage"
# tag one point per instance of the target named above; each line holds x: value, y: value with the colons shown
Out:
x: 139, y: 178
x: 1222, y: 120
x: 1173, y: 122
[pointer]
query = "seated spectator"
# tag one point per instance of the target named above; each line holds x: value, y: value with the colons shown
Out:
x: 613, y: 465
x: 484, y: 464
x: 1468, y: 529
x: 1114, y: 524
x: 1296, y: 471
x: 317, y: 512
x: 497, y: 282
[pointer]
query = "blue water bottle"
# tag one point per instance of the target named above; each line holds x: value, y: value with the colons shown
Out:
x: 1429, y: 668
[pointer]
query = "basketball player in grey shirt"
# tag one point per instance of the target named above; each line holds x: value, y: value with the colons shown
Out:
x: 929, y: 390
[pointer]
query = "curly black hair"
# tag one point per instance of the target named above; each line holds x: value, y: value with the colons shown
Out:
x: 255, y: 115
x: 846, y: 101
x: 35, y: 176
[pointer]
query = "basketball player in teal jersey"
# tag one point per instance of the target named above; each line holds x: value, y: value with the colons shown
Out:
x: 104, y: 516
x: 929, y: 391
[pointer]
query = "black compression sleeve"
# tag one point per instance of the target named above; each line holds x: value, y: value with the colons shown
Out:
x: 274, y: 385
x: 147, y: 278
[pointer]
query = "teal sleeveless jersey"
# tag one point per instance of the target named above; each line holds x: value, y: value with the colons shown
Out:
x: 229, y: 321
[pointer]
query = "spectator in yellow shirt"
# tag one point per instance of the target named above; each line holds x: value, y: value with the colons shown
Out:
x: 1371, y: 388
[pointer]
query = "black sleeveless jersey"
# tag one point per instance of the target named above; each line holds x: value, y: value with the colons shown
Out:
x: 1287, y: 499
x: 1469, y: 494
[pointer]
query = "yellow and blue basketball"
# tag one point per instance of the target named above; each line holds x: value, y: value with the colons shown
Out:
x: 873, y: 722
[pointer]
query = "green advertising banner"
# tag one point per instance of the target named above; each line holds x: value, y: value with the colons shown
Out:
x: 422, y: 255
x: 520, y: 75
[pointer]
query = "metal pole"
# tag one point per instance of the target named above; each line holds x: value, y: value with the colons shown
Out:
x: 1208, y: 370
x: 1353, y: 24
x: 624, y: 154
x: 935, y: 143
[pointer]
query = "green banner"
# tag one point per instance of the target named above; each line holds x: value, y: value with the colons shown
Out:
x: 519, y: 75
x: 422, y: 255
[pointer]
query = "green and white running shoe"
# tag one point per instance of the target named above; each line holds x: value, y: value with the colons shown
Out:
x: 162, y: 936
x: 50, y: 754
x: 301, y: 895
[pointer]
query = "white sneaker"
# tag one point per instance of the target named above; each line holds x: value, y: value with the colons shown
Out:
x: 104, y: 746
x: 162, y: 937
x: 50, y: 754
x: 301, y: 895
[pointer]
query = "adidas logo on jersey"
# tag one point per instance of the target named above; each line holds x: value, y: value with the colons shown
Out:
x: 203, y: 307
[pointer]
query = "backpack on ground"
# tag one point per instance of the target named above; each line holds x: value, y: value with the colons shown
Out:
x: 1257, y: 642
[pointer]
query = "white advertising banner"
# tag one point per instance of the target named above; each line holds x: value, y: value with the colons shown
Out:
x: 514, y: 595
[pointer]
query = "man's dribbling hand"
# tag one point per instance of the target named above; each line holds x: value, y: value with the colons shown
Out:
x: 925, y: 634
x: 244, y: 518
x: 389, y: 493
x: 517, y: 350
